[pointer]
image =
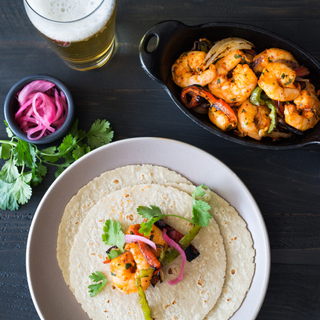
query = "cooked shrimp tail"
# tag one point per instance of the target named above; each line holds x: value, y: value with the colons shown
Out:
x: 236, y: 89
x: 222, y: 115
x: 261, y: 60
x: 189, y: 69
x: 253, y: 121
x: 145, y: 249
x: 278, y: 82
x: 304, y: 112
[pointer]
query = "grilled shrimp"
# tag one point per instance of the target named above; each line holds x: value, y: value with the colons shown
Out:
x: 237, y: 89
x: 138, y: 256
x: 126, y: 267
x: 304, y: 112
x: 253, y: 121
x: 261, y: 60
x: 189, y: 69
x: 277, y: 81
x: 155, y: 236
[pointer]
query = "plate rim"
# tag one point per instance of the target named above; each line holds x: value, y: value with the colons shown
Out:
x: 92, y: 154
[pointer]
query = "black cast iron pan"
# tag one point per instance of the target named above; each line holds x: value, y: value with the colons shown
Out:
x: 172, y: 38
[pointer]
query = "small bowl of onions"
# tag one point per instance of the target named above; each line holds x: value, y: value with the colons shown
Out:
x: 39, y: 109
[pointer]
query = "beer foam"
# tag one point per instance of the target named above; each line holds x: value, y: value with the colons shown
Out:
x: 70, y: 11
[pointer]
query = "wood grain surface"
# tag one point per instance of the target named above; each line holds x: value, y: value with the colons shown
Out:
x: 285, y: 184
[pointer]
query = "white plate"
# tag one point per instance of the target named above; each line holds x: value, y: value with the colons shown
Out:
x: 51, y: 296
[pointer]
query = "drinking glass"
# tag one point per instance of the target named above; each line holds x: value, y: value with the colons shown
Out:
x: 81, y: 32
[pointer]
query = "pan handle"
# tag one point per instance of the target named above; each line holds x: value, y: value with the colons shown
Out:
x: 153, y: 44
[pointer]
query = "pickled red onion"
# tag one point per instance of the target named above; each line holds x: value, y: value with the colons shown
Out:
x: 43, y: 109
x: 176, y: 246
x: 133, y: 238
x: 32, y: 87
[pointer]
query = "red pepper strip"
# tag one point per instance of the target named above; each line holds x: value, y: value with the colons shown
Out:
x: 217, y: 104
x: 196, y: 92
x: 145, y: 249
x: 107, y: 261
x: 149, y: 255
x: 194, y: 97
x: 226, y: 109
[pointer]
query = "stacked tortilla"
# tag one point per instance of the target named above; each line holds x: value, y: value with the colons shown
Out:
x: 214, y: 284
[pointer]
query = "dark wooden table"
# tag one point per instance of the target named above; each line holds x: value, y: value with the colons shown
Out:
x: 285, y: 184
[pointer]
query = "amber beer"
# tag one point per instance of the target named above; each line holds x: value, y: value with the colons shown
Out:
x: 81, y: 32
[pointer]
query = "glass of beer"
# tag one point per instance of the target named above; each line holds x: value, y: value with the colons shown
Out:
x: 81, y: 32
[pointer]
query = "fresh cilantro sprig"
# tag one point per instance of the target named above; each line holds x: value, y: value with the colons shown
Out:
x: 152, y: 214
x: 200, y: 211
x: 200, y: 208
x: 102, y: 281
x: 26, y: 165
x: 113, y: 235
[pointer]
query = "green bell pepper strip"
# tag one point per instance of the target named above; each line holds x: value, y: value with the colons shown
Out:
x: 272, y: 115
x: 259, y: 98
x: 255, y: 97
x: 142, y: 296
x: 172, y: 254
x: 162, y: 254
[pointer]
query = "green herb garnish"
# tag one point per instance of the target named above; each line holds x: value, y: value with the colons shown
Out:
x: 152, y: 214
x: 289, y: 81
x: 200, y: 210
x: 96, y: 288
x: 114, y: 253
x: 128, y: 266
x: 113, y: 235
x: 26, y: 165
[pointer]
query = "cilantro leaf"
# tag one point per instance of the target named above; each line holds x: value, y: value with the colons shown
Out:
x: 7, y: 200
x: 9, y: 172
x: 200, y: 208
x: 67, y: 142
x: 38, y: 171
x: 20, y: 190
x: 26, y: 165
x: 113, y: 235
x: 8, y: 130
x: 5, y: 151
x: 49, y: 154
x: 68, y: 159
x: 80, y: 150
x: 99, y: 134
x: 114, y: 253
x: 24, y: 153
x: 96, y: 288
x: 152, y: 214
